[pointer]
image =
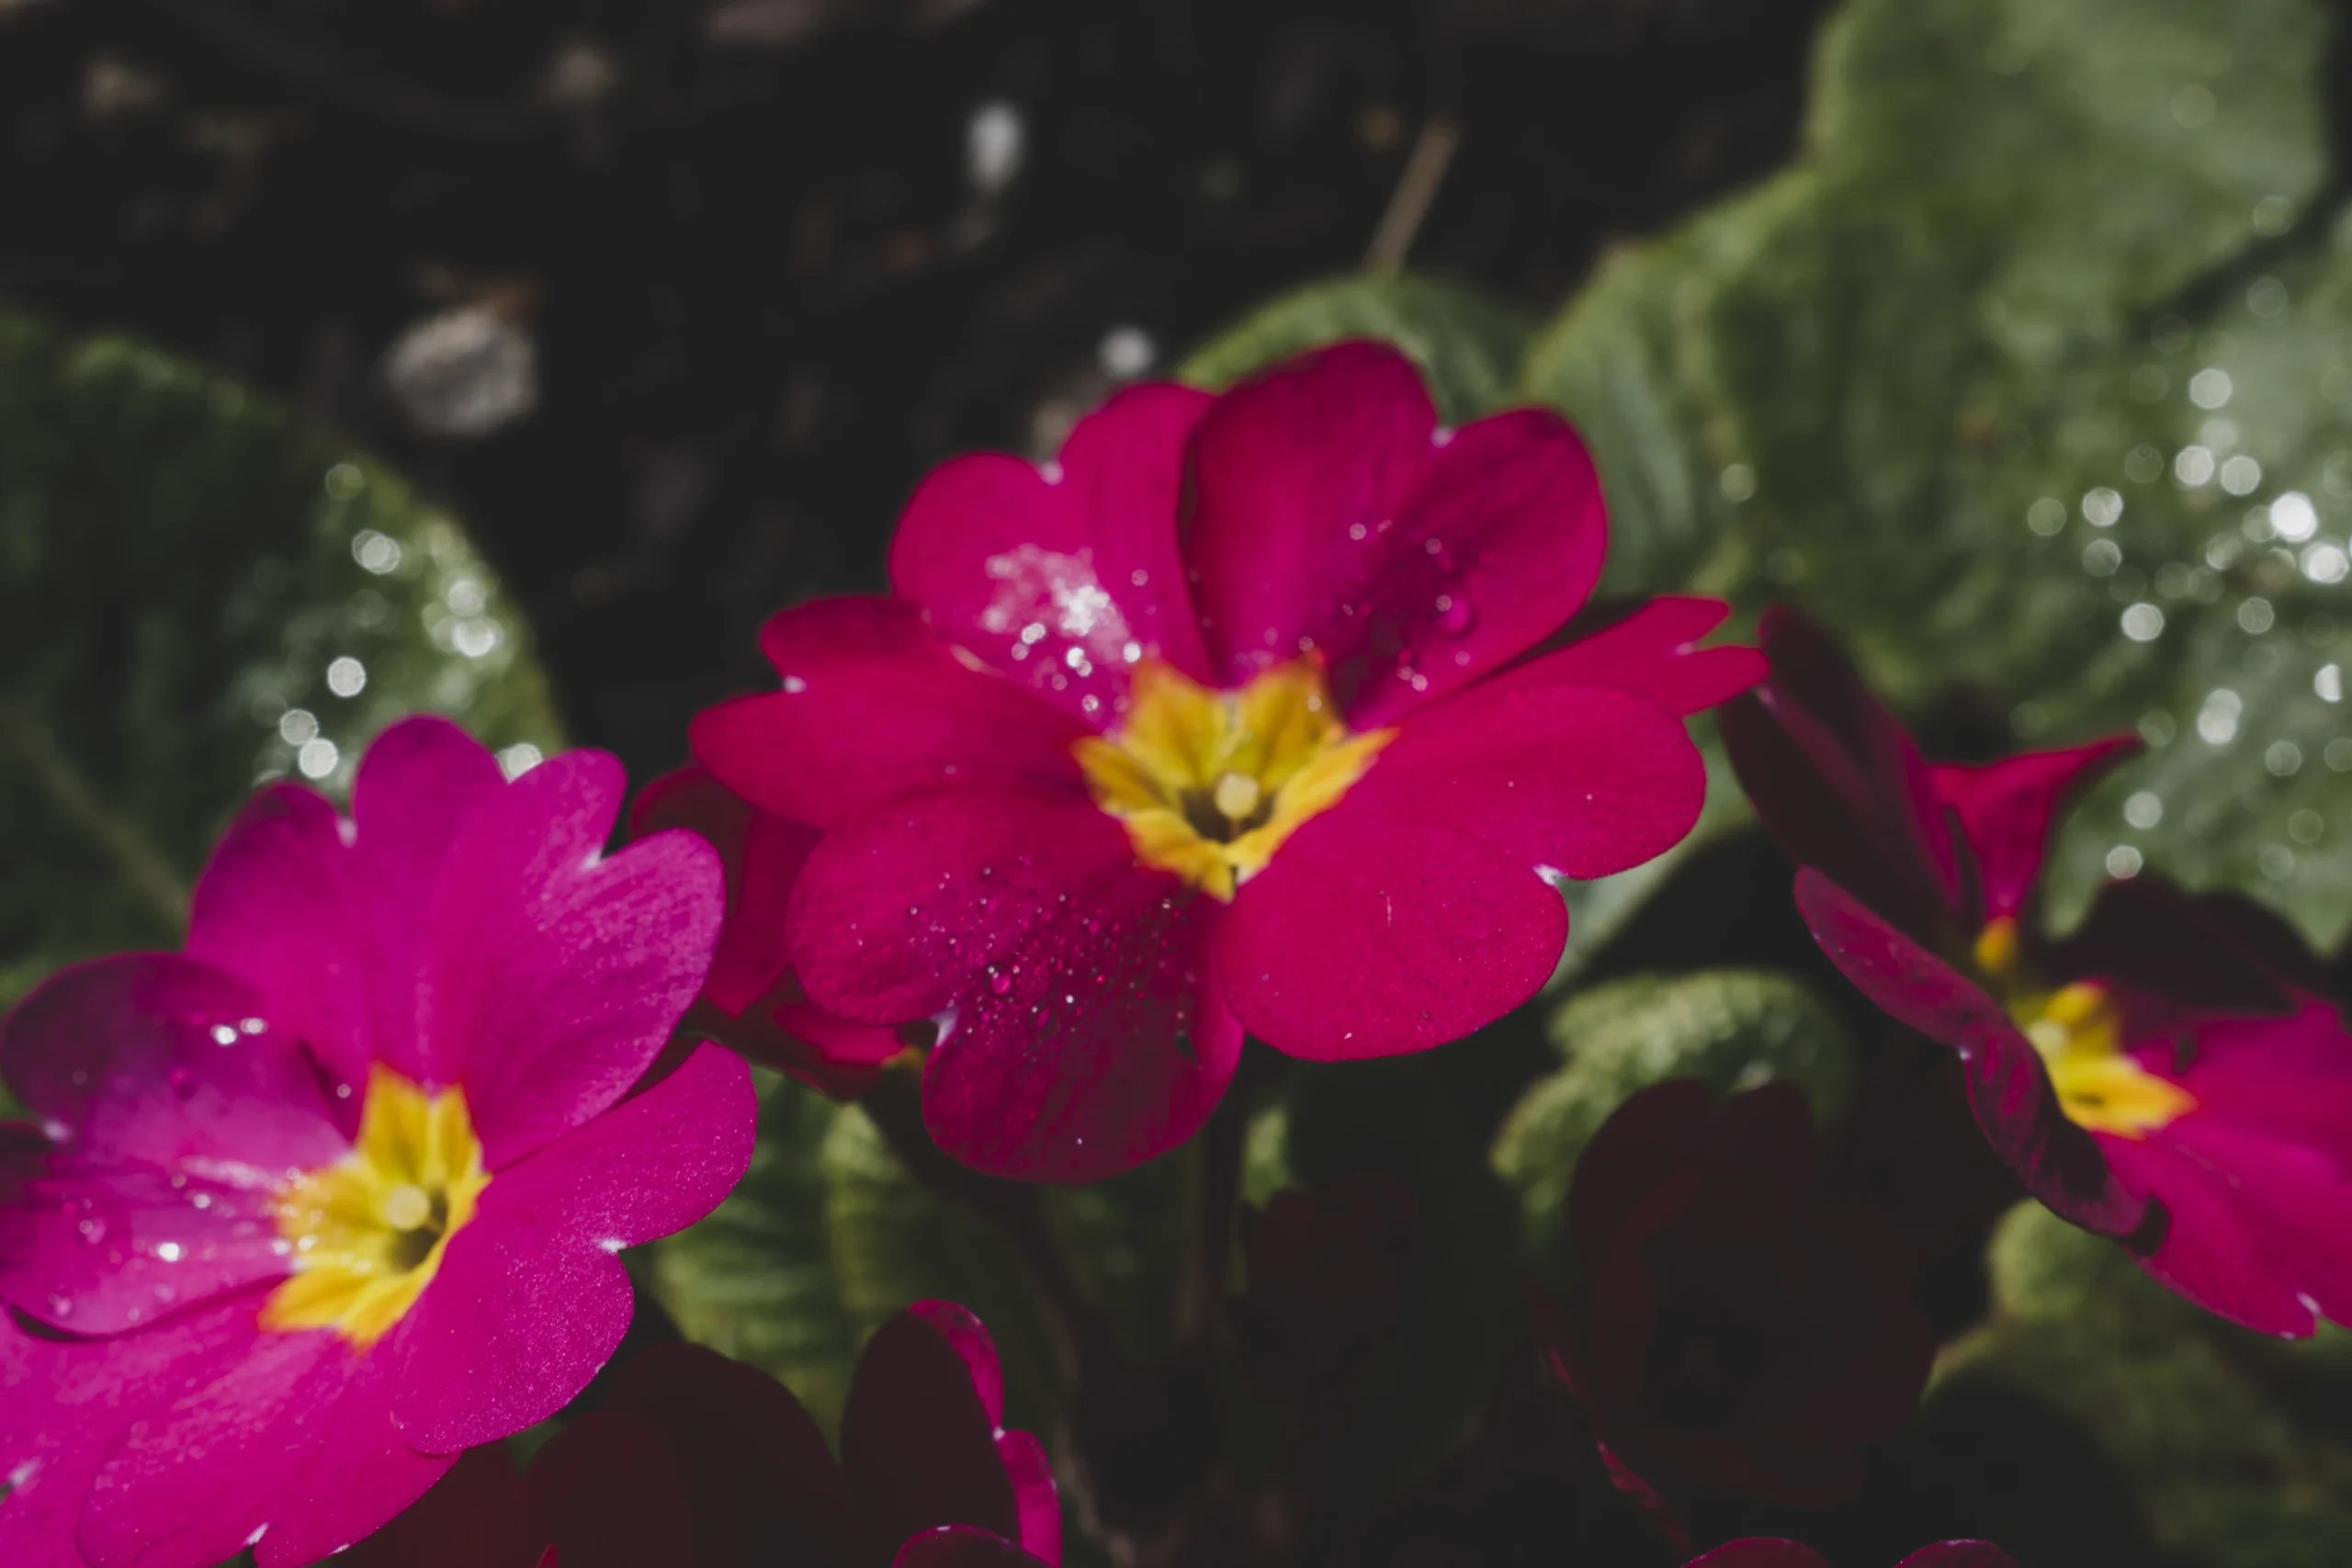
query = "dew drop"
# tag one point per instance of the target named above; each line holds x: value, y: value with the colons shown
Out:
x: 999, y: 981
x: 1455, y: 614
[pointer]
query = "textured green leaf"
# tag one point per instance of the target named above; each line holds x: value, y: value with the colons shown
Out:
x: 2185, y: 1408
x: 1467, y: 345
x: 180, y: 562
x: 756, y: 1279
x: 1733, y: 1029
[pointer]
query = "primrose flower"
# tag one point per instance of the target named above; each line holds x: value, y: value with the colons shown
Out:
x: 1737, y: 1328
x: 337, y: 1191
x: 752, y: 1002
x: 692, y: 1460
x: 1240, y: 715
x: 2167, y: 1075
x: 1760, y: 1553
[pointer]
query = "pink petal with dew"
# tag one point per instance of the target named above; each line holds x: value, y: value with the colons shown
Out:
x: 531, y: 1298
x: 158, y: 1058
x: 327, y: 918
x: 554, y: 974
x: 874, y: 705
x: 2006, y: 809
x: 1420, y: 906
x: 2008, y: 1088
x: 1100, y: 1042
x: 917, y: 1443
x: 2256, y: 1231
x: 94, y: 1247
x: 290, y: 1450
x: 1496, y: 549
x: 1652, y: 652
x: 608, y: 1495
x: 1841, y: 783
x: 1300, y: 475
x: 761, y: 1482
x: 1049, y: 575
x: 68, y: 1400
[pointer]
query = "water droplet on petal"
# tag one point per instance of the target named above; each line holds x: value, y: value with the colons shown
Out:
x: 1453, y: 614
x: 999, y: 981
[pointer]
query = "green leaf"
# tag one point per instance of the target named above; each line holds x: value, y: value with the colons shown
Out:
x: 2185, y: 1408
x: 1732, y: 1029
x: 756, y: 1279
x: 1466, y: 344
x: 181, y: 560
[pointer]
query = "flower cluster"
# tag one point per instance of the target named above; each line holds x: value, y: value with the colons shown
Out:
x: 1281, y: 714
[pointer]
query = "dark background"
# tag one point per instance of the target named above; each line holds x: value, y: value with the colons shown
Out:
x: 764, y: 289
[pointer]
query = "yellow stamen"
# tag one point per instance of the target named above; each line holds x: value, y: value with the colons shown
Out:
x: 1996, y: 948
x: 367, y: 1232
x: 2078, y: 1030
x: 1209, y: 782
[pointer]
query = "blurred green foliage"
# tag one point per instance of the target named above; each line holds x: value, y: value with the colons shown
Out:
x: 181, y: 560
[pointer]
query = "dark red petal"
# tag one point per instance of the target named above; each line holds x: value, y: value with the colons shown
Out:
x: 1643, y: 1143
x: 1084, y: 550
x: 959, y: 1546
x: 2178, y: 957
x: 762, y: 1486
x: 2006, y: 809
x: 474, y: 1517
x: 1841, y: 783
x: 1758, y: 1552
x: 917, y: 1443
x: 1285, y: 468
x: 2008, y: 1085
x: 1959, y: 1554
x: 1652, y: 652
x: 608, y: 1494
x: 874, y: 706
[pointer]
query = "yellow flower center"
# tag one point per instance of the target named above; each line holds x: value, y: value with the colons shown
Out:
x: 366, y: 1233
x: 2078, y: 1030
x: 1209, y: 782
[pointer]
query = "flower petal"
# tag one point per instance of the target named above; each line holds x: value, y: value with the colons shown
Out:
x: 874, y: 706
x: 1420, y: 906
x: 917, y: 1443
x: 1032, y: 1474
x: 1758, y: 1552
x: 94, y: 1247
x: 1286, y: 467
x: 608, y: 1495
x: 531, y: 1298
x: 158, y: 1058
x: 290, y: 1449
x: 2007, y: 1087
x: 960, y: 1546
x: 1083, y: 550
x: 1840, y: 783
x: 1653, y: 651
x: 759, y: 1481
x: 329, y: 926
x: 554, y: 974
x: 2006, y: 809
x: 474, y: 1517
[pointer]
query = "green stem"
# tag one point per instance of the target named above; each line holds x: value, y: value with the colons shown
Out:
x: 141, y: 866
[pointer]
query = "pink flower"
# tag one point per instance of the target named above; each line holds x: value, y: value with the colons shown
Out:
x: 1237, y: 717
x: 752, y: 1002
x: 692, y: 1460
x: 2167, y: 1075
x: 1760, y: 1553
x: 1737, y: 1328
x: 337, y: 1191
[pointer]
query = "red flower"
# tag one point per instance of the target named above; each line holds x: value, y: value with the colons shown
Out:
x: 1736, y: 1328
x: 2163, y: 1077
x: 1760, y: 1553
x: 752, y: 1001
x: 1232, y: 718
x: 693, y: 1460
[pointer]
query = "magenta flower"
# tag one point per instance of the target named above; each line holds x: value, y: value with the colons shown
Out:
x: 752, y: 1000
x: 1736, y: 1328
x: 692, y: 1460
x: 337, y: 1191
x: 2165, y: 1076
x: 1237, y: 717
x: 1760, y: 1553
